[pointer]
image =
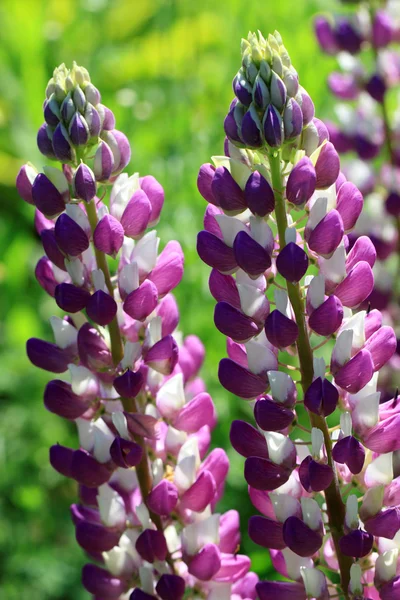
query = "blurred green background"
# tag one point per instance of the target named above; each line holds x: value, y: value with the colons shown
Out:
x: 165, y: 68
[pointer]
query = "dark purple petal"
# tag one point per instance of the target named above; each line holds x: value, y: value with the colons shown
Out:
x: 71, y: 298
x: 376, y: 87
x: 327, y: 235
x: 266, y: 532
x: 129, y: 384
x: 44, y: 142
x: 301, y: 182
x: 280, y: 330
x: 24, y: 182
x: 101, y: 308
x: 84, y: 183
x: 250, y: 130
x: 240, y: 381
x: 46, y: 196
x: 171, y: 587
x: 322, y: 397
x: 242, y: 89
x: 320, y: 475
x: 151, y: 545
x: 357, y: 543
x: 356, y: 373
x: 138, y: 594
x: 200, y: 494
x: 271, y: 590
x: 140, y: 303
x: 93, y: 351
x: 263, y: 474
x: 136, y: 215
x: 103, y: 162
x: 78, y: 130
x: 70, y: 237
x: 163, y: 498
x: 204, y: 181
x: 327, y: 167
x: 292, y: 119
x: 328, y: 317
x: 142, y: 425
x: 61, y: 459
x: 272, y: 416
x: 292, y: 262
x: 300, y: 538
x: 125, y: 454
x: 347, y: 37
x: 223, y: 288
x: 227, y: 192
x: 87, y: 470
x: 51, y: 248
x: 48, y: 356
x: 385, y: 524
x: 95, y: 537
x: 247, y: 440
x: 101, y: 583
x: 233, y: 323
x: 163, y: 356
x: 215, y: 253
x: 250, y: 255
x: 273, y: 127
x: 259, y: 195
x: 61, y: 400
x: 357, y: 286
x: 62, y: 144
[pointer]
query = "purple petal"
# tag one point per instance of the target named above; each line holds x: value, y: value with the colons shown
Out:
x: 247, y: 440
x: 163, y: 498
x: 101, y: 308
x: 357, y: 286
x: 259, y: 195
x: 357, y: 543
x: 204, y: 181
x: 95, y: 537
x: 280, y: 330
x: 292, y: 262
x: 215, y: 253
x: 200, y: 494
x: 136, y: 215
x: 349, y: 451
x: 382, y: 345
x: 328, y: 317
x: 171, y: 587
x: 84, y: 183
x: 101, y: 583
x: 356, y: 373
x: 51, y: 248
x: 263, y: 474
x: 195, y: 414
x: 61, y: 400
x: 163, y: 356
x: 250, y: 255
x: 273, y: 127
x: 206, y: 563
x: 227, y: 192
x: 223, y: 288
x: 47, y: 356
x: 70, y: 237
x: 155, y: 193
x: 271, y: 416
x: 46, y: 196
x: 327, y: 235
x: 71, y: 298
x: 61, y: 459
x: 300, y: 538
x: 87, y: 470
x: 327, y: 167
x: 151, y: 545
x: 108, y: 236
x: 140, y: 303
x: 322, y: 397
x: 266, y: 532
x: 240, y: 381
x: 125, y: 454
x: 301, y: 182
x: 169, y: 269
x: 271, y: 590
x: 129, y: 384
x: 233, y: 323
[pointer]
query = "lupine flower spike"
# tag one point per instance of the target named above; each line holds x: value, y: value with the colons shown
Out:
x: 148, y: 484
x: 366, y: 132
x: 320, y: 456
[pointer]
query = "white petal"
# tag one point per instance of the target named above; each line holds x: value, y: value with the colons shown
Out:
x: 65, y: 334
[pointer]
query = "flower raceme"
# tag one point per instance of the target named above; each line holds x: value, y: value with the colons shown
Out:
x: 288, y: 280
x: 148, y: 484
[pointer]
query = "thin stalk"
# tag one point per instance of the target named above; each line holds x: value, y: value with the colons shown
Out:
x: 144, y: 475
x: 335, y: 506
x: 117, y: 351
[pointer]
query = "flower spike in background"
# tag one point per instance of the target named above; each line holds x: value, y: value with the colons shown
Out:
x: 289, y: 282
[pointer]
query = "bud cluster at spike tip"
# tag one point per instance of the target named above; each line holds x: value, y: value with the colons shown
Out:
x: 148, y: 484
x: 278, y: 227
x: 366, y: 126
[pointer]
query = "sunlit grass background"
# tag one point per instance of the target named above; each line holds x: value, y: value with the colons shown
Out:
x: 165, y: 68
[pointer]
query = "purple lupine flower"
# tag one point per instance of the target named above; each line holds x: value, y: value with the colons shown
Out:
x: 294, y: 463
x: 148, y: 484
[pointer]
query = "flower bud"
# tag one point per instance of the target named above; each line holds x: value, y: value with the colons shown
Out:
x: 84, y: 183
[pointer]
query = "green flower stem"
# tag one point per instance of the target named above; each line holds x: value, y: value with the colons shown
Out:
x: 143, y: 473
x: 117, y: 351
x: 335, y: 506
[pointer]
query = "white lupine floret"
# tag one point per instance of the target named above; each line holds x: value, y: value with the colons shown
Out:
x: 59, y: 275
x: 129, y: 277
x: 188, y: 462
x: 171, y: 396
x: 132, y: 352
x: 76, y: 270
x: 103, y: 438
x: 284, y: 506
x: 230, y: 227
x: 64, y: 333
x: 317, y: 442
x: 157, y: 470
x: 351, y: 518
x: 261, y: 232
x: 280, y: 447
x: 372, y: 501
x: 280, y: 385
x: 118, y: 561
x: 356, y: 585
x: 290, y: 235
x: 357, y: 325
x: 252, y: 299
x: 121, y: 424
x: 341, y: 352
x: 386, y: 565
x: 125, y: 478
x: 294, y: 562
x: 145, y: 251
x: 121, y: 193
x: 85, y: 433
x: 198, y: 534
x: 314, y: 582
x: 146, y: 574
x: 334, y: 268
x: 174, y: 438
x: 346, y: 424
x: 316, y: 291
x: 282, y: 302
x: 258, y: 282
x: 365, y: 413
x: 83, y: 381
x: 98, y: 279
x: 56, y: 177
x: 111, y: 506
x: 311, y: 513
x: 75, y: 212
x: 260, y: 358
x: 380, y: 470
x: 319, y: 367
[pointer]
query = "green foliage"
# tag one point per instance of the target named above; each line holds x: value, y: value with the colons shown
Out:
x: 165, y: 68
